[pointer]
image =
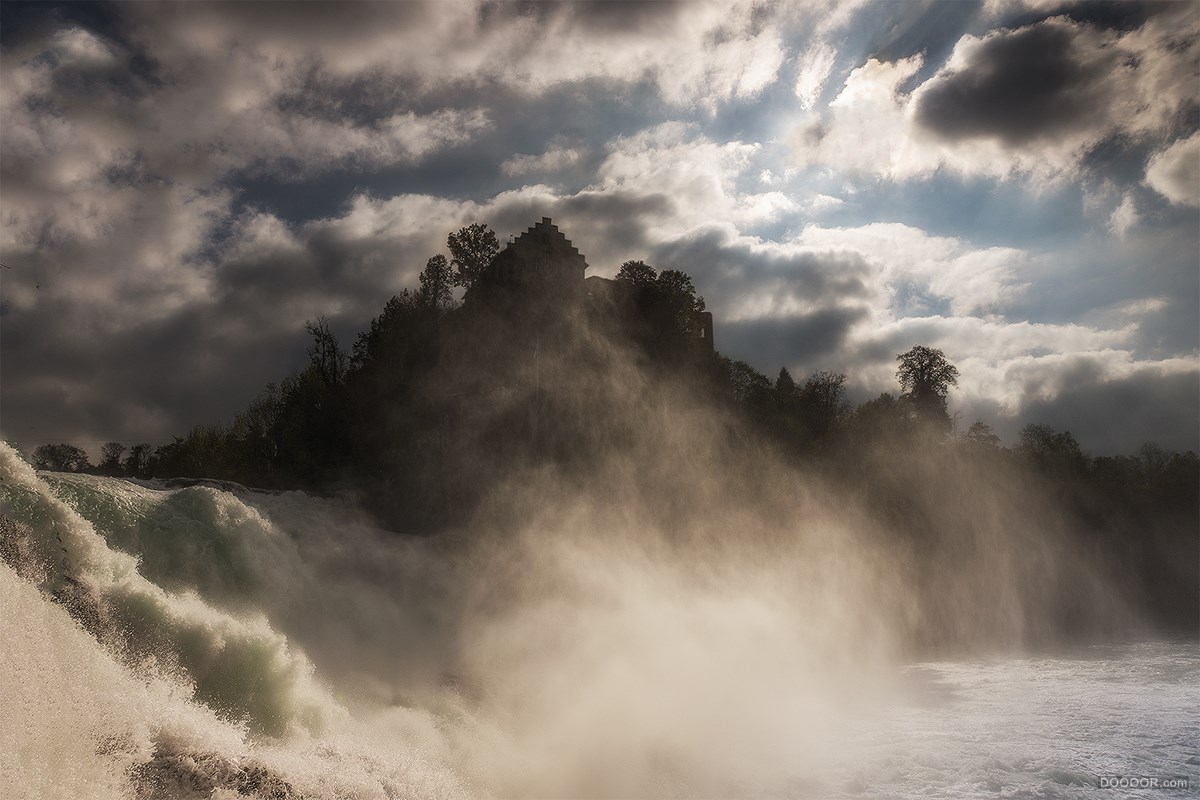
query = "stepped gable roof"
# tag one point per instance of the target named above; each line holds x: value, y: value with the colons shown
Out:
x: 545, y: 241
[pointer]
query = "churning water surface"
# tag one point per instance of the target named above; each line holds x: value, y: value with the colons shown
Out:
x: 198, y: 643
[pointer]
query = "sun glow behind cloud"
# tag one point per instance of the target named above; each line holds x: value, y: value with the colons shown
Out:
x: 838, y: 192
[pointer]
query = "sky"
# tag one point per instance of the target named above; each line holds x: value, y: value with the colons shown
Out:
x: 1015, y: 182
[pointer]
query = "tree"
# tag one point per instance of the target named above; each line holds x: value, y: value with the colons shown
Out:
x: 925, y: 379
x: 638, y: 273
x: 325, y: 356
x: 822, y: 401
x: 1050, y: 449
x: 785, y: 387
x: 436, y: 281
x: 666, y: 310
x: 980, y: 434
x: 1152, y: 459
x: 678, y: 306
x: 110, y: 457
x: 749, y: 387
x: 678, y: 291
x: 883, y: 418
x: 471, y: 251
x: 400, y: 322
x: 138, y: 460
x: 60, y: 458
x: 825, y: 394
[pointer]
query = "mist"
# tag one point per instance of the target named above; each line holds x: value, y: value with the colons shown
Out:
x: 819, y: 419
x: 645, y: 598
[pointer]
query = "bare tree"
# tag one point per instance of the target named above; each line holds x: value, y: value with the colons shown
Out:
x: 110, y: 457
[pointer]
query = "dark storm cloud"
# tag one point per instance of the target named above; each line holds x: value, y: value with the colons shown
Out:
x: 23, y: 23
x: 313, y: 22
x: 617, y: 220
x: 1095, y: 279
x: 1020, y: 87
x: 1119, y: 157
x: 147, y: 383
x: 582, y: 116
x: 727, y: 270
x: 1117, y: 415
x: 632, y: 16
x: 1118, y: 15
x: 806, y: 340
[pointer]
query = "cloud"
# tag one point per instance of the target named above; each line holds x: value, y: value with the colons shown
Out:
x: 1015, y: 368
x: 88, y: 162
x: 1175, y: 172
x: 1116, y: 413
x: 552, y: 160
x: 697, y: 53
x: 1032, y: 102
x: 1019, y: 87
x: 773, y: 342
x: 1124, y: 217
x: 134, y: 156
x: 969, y: 280
x: 814, y: 69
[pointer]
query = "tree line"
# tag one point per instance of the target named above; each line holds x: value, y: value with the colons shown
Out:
x: 304, y: 431
x: 442, y: 398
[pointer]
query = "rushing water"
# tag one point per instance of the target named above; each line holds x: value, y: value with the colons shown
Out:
x: 177, y: 643
x: 1049, y: 726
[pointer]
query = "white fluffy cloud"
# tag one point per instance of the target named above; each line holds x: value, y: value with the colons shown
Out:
x: 815, y: 66
x: 552, y: 160
x: 1175, y: 172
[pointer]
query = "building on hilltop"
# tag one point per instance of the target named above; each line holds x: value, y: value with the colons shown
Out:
x: 541, y: 263
x: 541, y: 273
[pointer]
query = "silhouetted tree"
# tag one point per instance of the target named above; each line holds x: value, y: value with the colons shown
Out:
x: 256, y: 432
x: 110, y: 457
x: 138, y: 460
x: 925, y: 379
x: 680, y: 301
x: 1153, y: 460
x: 823, y: 399
x: 471, y: 251
x: 825, y: 393
x: 665, y: 320
x: 436, y: 282
x: 1051, y: 450
x: 981, y: 435
x: 204, y: 453
x: 883, y: 418
x: 638, y: 273
x: 401, y: 324
x: 325, y: 356
x: 393, y: 417
x: 61, y: 458
x: 785, y: 387
x: 749, y: 388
